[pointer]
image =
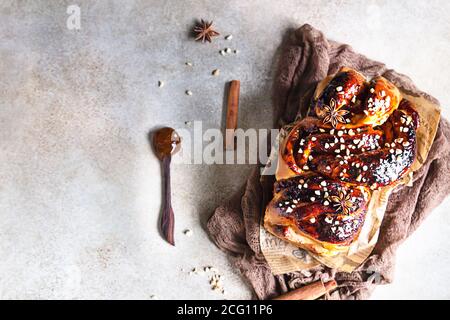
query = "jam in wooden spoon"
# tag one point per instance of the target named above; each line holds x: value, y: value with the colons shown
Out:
x: 166, y: 142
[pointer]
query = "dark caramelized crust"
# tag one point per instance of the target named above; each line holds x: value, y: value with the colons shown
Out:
x: 349, y: 102
x: 326, y: 210
x: 379, y: 166
x: 358, y: 137
x: 341, y: 94
x: 309, y: 144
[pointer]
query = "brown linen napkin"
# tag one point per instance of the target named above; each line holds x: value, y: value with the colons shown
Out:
x: 306, y: 58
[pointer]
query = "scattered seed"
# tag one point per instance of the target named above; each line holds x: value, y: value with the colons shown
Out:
x: 160, y: 83
x: 236, y: 51
x: 188, y: 232
x: 229, y: 37
x: 193, y: 271
x: 227, y: 50
x: 189, y: 64
x: 189, y: 92
x: 216, y: 72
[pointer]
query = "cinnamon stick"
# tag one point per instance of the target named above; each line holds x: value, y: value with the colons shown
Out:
x: 309, y: 292
x: 232, y: 113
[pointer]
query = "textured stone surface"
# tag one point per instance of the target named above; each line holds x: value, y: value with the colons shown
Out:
x: 79, y: 185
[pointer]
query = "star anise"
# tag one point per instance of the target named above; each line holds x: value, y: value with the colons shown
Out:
x: 332, y: 114
x: 342, y: 202
x: 204, y: 31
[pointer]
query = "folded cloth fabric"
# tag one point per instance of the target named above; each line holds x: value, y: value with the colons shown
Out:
x: 306, y: 58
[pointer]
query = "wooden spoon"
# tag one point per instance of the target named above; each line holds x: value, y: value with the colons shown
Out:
x: 166, y: 142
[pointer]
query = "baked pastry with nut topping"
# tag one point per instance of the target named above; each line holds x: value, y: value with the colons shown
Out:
x: 358, y: 136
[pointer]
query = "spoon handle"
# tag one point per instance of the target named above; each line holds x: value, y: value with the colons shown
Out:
x: 167, y: 218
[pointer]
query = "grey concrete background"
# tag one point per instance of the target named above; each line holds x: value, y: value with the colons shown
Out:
x: 79, y: 186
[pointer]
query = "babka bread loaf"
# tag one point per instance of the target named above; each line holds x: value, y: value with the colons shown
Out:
x: 357, y: 137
